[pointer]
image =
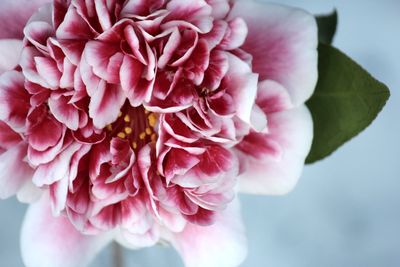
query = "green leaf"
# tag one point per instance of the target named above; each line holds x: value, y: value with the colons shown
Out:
x: 346, y: 100
x: 327, y: 27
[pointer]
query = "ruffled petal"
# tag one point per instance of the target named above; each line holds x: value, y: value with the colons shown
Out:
x: 105, y: 104
x: 14, y: 14
x: 222, y: 244
x: 283, y: 42
x: 48, y: 241
x: 242, y: 86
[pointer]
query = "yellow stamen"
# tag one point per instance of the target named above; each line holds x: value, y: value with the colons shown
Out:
x: 134, y: 145
x: 127, y: 118
x: 142, y: 136
x: 152, y: 120
x: 153, y: 137
x: 119, y: 114
x: 109, y: 127
x: 148, y: 131
x: 121, y: 135
x: 128, y: 130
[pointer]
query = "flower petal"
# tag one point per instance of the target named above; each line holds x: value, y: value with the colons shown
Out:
x: 14, y: 14
x: 8, y: 138
x: 14, y: 100
x: 48, y: 241
x: 10, y: 50
x: 242, y: 86
x: 222, y: 244
x: 105, y: 104
x: 277, y: 170
x: 14, y: 172
x: 283, y: 42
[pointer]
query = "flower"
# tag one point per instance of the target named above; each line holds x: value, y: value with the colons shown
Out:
x: 135, y: 120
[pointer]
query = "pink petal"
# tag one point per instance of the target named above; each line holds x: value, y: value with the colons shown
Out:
x: 241, y: 84
x: 222, y: 244
x: 277, y: 169
x: 14, y: 99
x: 47, y: 69
x: 217, y: 33
x: 195, y: 14
x: 37, y: 157
x: 137, y: 90
x: 64, y: 112
x: 178, y: 162
x: 283, y: 42
x: 29, y: 192
x: 272, y: 97
x: 216, y: 70
x: 198, y: 63
x: 14, y: 14
x: 105, y: 60
x: 73, y: 27
x: 48, y: 241
x: 8, y: 138
x: 169, y: 49
x: 57, y: 169
x: 38, y: 123
x: 105, y: 104
x: 236, y: 34
x: 38, y: 32
x: 220, y: 8
x: 140, y: 7
x: 103, y: 14
x: 14, y: 172
x: 10, y: 51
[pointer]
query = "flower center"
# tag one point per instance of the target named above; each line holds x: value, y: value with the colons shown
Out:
x: 135, y: 124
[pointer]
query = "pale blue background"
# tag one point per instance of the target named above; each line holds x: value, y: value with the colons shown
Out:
x: 346, y: 209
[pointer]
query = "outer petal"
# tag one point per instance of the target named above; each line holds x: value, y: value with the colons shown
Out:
x: 222, y: 244
x: 48, y: 241
x: 14, y: 14
x: 14, y: 100
x: 283, y: 42
x: 278, y: 172
x: 10, y: 50
x: 13, y: 171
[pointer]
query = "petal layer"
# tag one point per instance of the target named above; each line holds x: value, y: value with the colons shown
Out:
x: 222, y: 244
x: 14, y: 14
x: 278, y: 172
x: 48, y: 241
x: 283, y: 42
x: 10, y: 50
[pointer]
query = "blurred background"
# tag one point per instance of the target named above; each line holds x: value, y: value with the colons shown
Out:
x: 345, y: 210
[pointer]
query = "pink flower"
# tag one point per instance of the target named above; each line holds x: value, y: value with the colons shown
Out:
x: 135, y: 120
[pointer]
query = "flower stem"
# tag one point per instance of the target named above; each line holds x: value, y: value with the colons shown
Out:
x: 118, y: 255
